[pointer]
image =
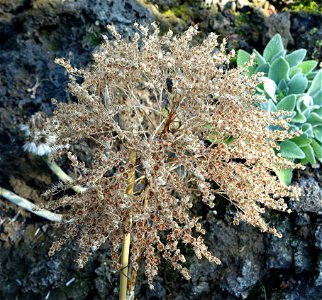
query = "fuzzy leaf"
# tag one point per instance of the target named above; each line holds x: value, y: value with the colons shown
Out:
x: 316, y: 84
x: 269, y: 87
x: 282, y: 85
x: 296, y: 57
x: 262, y: 68
x: 317, y: 98
x: 317, y: 131
x: 309, y: 155
x: 287, y: 103
x: 291, y: 150
x: 301, y: 141
x: 311, y: 75
x: 285, y: 176
x: 242, y: 57
x: 259, y: 58
x: 304, y: 101
x: 293, y: 71
x: 279, y: 70
x: 297, y: 84
x: 307, y: 66
x: 317, y: 148
x: 315, y: 117
x: 280, y: 54
x: 268, y: 105
x: 307, y: 130
x: 298, y: 118
x: 274, y: 46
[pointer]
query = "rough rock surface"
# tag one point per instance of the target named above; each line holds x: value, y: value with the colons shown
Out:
x: 32, y: 34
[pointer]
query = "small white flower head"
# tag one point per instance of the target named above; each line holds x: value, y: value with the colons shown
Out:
x: 40, y: 149
x: 39, y: 138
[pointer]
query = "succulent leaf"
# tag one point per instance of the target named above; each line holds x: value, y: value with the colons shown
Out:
x: 262, y: 68
x: 292, y: 84
x: 293, y: 71
x: 315, y: 117
x: 285, y: 176
x: 291, y: 150
x: 317, y: 131
x: 280, y: 54
x: 297, y: 84
x: 296, y: 57
x: 259, y: 58
x: 268, y: 105
x: 309, y: 155
x: 279, y: 70
x: 317, y: 98
x: 307, y: 66
x: 242, y: 58
x: 317, y: 147
x: 287, y: 103
x: 311, y: 75
x: 269, y: 87
x: 307, y: 130
x: 304, y: 101
x: 316, y: 85
x: 274, y: 46
x: 301, y: 141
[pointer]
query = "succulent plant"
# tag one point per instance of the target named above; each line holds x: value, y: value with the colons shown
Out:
x: 291, y: 84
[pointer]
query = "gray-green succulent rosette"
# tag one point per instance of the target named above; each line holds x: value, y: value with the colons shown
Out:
x: 295, y: 85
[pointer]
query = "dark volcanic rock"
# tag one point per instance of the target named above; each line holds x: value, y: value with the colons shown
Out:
x: 32, y: 34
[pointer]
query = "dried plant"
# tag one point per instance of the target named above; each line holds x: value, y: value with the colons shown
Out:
x: 148, y: 108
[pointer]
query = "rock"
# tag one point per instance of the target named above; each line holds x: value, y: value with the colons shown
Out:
x: 318, y: 279
x: 200, y: 289
x: 302, y: 219
x: 318, y: 237
x: 240, y: 285
x: 307, y: 30
x: 302, y: 257
x: 279, y: 251
x: 300, y: 291
x: 311, y: 196
x: 241, y: 249
x: 158, y: 293
x: 279, y: 23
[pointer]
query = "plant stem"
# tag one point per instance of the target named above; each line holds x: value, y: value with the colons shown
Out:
x: 27, y: 205
x: 127, y: 237
x: 62, y: 175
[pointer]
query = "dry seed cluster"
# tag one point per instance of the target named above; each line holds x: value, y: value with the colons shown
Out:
x: 165, y: 99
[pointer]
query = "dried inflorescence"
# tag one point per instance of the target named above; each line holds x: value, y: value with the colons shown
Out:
x: 194, y: 127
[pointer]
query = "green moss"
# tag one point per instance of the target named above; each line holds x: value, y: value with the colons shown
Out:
x: 318, y: 43
x: 313, y: 31
x: 94, y: 38
x: 305, y: 5
x: 183, y: 12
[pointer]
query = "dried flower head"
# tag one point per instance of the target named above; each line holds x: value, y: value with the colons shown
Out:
x: 191, y: 122
x: 39, y: 136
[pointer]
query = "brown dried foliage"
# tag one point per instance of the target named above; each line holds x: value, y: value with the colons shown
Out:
x: 163, y: 97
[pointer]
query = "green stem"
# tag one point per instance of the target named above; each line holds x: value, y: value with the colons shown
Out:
x: 62, y: 175
x: 27, y: 205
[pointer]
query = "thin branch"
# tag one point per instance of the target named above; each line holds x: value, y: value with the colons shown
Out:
x: 62, y: 175
x: 27, y: 205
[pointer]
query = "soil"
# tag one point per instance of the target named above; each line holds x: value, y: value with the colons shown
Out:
x: 255, y: 266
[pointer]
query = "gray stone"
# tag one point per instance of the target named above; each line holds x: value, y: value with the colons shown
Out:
x: 302, y: 257
x: 279, y: 250
x: 311, y: 196
x: 318, y: 279
x: 279, y: 23
x: 318, y: 237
